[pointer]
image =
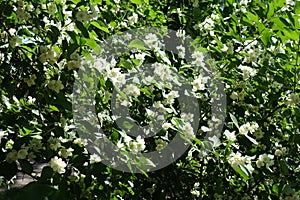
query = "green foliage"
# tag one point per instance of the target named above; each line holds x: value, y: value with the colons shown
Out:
x: 255, y: 46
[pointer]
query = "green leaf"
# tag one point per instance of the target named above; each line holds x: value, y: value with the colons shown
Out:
x: 71, y: 49
x: 98, y: 1
x: 139, y: 2
x: 144, y: 90
x: 93, y: 45
x: 83, y: 30
x: 136, y: 43
x: 284, y: 167
x: 100, y: 25
x: 46, y: 174
x: 252, y: 17
x: 53, y: 108
x: 36, y: 191
x: 270, y: 9
x: 115, y: 135
x: 53, y: 34
x: 8, y: 170
x: 275, y: 188
x: 127, y: 125
x: 234, y: 120
x: 26, y: 166
x: 72, y: 35
x: 75, y: 1
x: 278, y: 24
x: 125, y: 64
x: 251, y: 139
x: 297, y: 7
x: 294, y: 35
x: 242, y: 172
x: 266, y: 35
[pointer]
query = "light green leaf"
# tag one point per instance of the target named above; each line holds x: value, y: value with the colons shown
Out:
x: 93, y: 45
x: 297, y: 7
x: 53, y: 108
x: 234, y: 120
x: 251, y: 139
x: 242, y: 173
x: 100, y: 25
x: 266, y: 35
x: 136, y: 43
x: 98, y: 1
x: 294, y: 35
x: 270, y: 9
x: 75, y: 1
x: 252, y: 17
x: 139, y: 2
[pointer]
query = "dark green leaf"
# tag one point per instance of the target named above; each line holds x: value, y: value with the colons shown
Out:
x: 83, y: 30
x: 26, y: 166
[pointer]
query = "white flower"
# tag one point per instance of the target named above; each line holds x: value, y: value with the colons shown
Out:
x: 224, y: 48
x: 234, y: 96
x: 54, y: 143
x: 64, y: 152
x: 120, y: 145
x: 195, y: 193
x: 132, y: 90
x: 35, y: 145
x: 198, y: 84
x: 58, y: 165
x: 236, y: 159
x: 188, y: 131
x: 22, y: 154
x: 260, y: 163
x: 82, y: 16
x: 198, y: 58
x: 13, y: 41
x: 244, y: 2
x: 151, y: 40
x: 80, y: 142
x: 94, y: 158
x: 248, y: 127
x: 116, y: 76
x: 247, y: 71
x: 187, y: 117
x: 244, y: 129
x: 162, y: 71
x: 140, y: 56
x: 181, y: 51
x: 265, y: 159
x: 55, y: 85
x: 290, y: 2
x: 133, y: 19
x: 171, y: 96
x: 278, y: 152
x: 2, y: 134
x: 293, y: 99
x: 30, y: 80
x: 166, y: 125
x: 12, y: 156
x: 208, y: 24
x: 230, y: 135
x: 135, y: 146
x: 160, y: 144
x: 140, y: 143
x: 52, y: 8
